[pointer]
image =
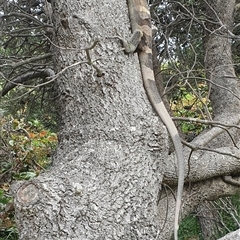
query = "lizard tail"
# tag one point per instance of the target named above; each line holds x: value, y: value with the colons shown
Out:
x: 157, y: 103
x: 141, y: 20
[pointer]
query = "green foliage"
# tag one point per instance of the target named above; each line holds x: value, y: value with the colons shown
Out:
x: 227, y: 219
x: 191, y: 103
x: 32, y: 106
x: 7, y: 229
x: 9, y: 234
x: 29, y: 146
x: 3, y: 199
x: 229, y: 214
x: 25, y: 150
x: 190, y: 228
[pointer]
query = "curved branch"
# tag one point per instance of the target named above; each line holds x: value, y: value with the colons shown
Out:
x: 28, y: 60
x: 217, y: 162
x: 206, y: 122
x: 25, y: 77
x: 24, y: 15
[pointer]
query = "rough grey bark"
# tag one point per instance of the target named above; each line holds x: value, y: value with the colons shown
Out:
x: 113, y: 150
x: 106, y: 176
x: 233, y: 235
x: 207, y: 217
x: 219, y: 63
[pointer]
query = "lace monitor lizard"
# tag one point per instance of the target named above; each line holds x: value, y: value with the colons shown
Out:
x: 141, y: 41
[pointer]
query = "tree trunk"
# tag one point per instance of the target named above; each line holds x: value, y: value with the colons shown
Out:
x: 207, y: 216
x: 108, y: 168
x: 225, y: 104
x: 113, y: 150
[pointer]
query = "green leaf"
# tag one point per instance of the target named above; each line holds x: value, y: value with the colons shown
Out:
x: 25, y: 176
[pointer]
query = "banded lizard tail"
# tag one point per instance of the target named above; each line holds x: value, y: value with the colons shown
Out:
x: 141, y: 41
